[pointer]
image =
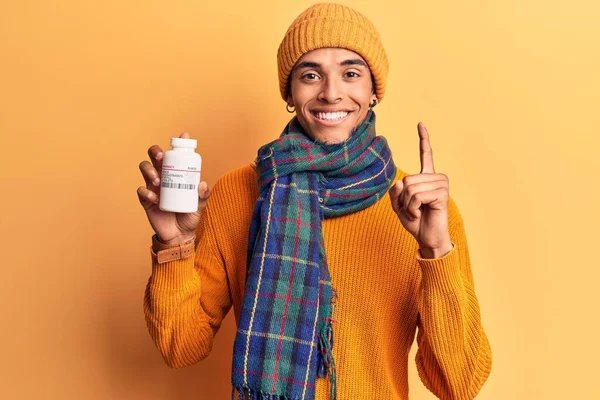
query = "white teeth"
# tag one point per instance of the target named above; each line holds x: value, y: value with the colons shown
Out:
x: 331, y: 116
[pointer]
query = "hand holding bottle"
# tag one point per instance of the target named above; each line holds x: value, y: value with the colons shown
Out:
x: 170, y: 227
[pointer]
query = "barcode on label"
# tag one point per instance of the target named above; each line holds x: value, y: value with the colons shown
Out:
x: 188, y: 186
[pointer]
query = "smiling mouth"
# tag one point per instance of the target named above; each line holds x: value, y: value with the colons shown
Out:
x: 329, y: 118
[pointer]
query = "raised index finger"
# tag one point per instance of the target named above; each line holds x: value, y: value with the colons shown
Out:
x: 426, y: 153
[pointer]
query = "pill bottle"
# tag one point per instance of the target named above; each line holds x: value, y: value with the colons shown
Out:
x: 180, y: 177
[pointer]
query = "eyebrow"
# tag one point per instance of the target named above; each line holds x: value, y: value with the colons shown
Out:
x: 312, y: 64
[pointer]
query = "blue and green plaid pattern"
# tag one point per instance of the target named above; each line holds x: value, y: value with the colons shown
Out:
x: 285, y: 337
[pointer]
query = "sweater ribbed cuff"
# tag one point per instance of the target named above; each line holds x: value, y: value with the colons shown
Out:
x: 441, y: 274
x: 172, y: 275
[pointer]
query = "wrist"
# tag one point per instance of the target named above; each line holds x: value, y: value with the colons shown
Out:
x: 437, y: 252
x: 177, y: 240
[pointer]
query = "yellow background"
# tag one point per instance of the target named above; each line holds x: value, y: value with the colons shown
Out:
x: 508, y: 90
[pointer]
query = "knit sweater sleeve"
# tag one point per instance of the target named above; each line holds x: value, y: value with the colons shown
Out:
x: 186, y: 300
x: 454, y: 357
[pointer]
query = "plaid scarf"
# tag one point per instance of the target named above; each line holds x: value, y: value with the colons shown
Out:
x: 285, y: 337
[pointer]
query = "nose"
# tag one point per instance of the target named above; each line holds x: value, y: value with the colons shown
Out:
x: 331, y: 91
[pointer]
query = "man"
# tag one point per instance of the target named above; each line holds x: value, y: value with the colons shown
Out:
x: 331, y: 256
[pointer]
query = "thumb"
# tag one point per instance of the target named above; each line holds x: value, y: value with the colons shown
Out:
x: 203, y: 194
x: 185, y: 135
x: 203, y: 190
x: 396, y: 188
x: 395, y: 192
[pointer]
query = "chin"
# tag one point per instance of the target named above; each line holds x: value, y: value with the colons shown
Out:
x: 332, y: 137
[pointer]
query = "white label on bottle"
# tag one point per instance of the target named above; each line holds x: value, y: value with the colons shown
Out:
x: 174, y: 178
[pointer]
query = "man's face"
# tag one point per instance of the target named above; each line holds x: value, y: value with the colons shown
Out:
x: 331, y: 89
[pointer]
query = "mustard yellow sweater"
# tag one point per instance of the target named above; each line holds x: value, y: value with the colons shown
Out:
x: 386, y: 292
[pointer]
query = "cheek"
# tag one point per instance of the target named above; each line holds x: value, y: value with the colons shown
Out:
x: 362, y: 97
x: 301, y: 94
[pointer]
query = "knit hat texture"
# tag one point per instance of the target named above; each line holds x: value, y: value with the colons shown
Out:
x: 332, y: 25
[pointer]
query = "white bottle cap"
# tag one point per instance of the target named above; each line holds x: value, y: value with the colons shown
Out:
x: 183, y: 142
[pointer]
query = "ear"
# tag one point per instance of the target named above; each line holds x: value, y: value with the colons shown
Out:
x: 374, y: 100
x: 373, y: 85
x: 290, y: 101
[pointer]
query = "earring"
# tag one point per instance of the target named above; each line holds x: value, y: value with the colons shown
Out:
x: 373, y: 104
x: 287, y: 107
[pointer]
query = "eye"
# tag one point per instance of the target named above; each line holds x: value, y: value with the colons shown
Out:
x: 310, y: 76
x: 354, y: 74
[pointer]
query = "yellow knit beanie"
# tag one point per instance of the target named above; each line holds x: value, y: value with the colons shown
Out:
x: 332, y: 25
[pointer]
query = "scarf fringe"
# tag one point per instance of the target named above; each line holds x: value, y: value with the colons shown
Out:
x: 327, y: 365
x: 257, y: 395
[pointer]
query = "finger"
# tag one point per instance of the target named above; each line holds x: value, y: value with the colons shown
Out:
x: 419, y: 194
x: 413, y: 184
x: 424, y: 198
x: 203, y: 194
x: 185, y: 135
x: 395, y: 192
x: 203, y: 190
x: 151, y: 176
x: 426, y: 152
x: 146, y: 197
x: 418, y: 178
x: 156, y: 155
